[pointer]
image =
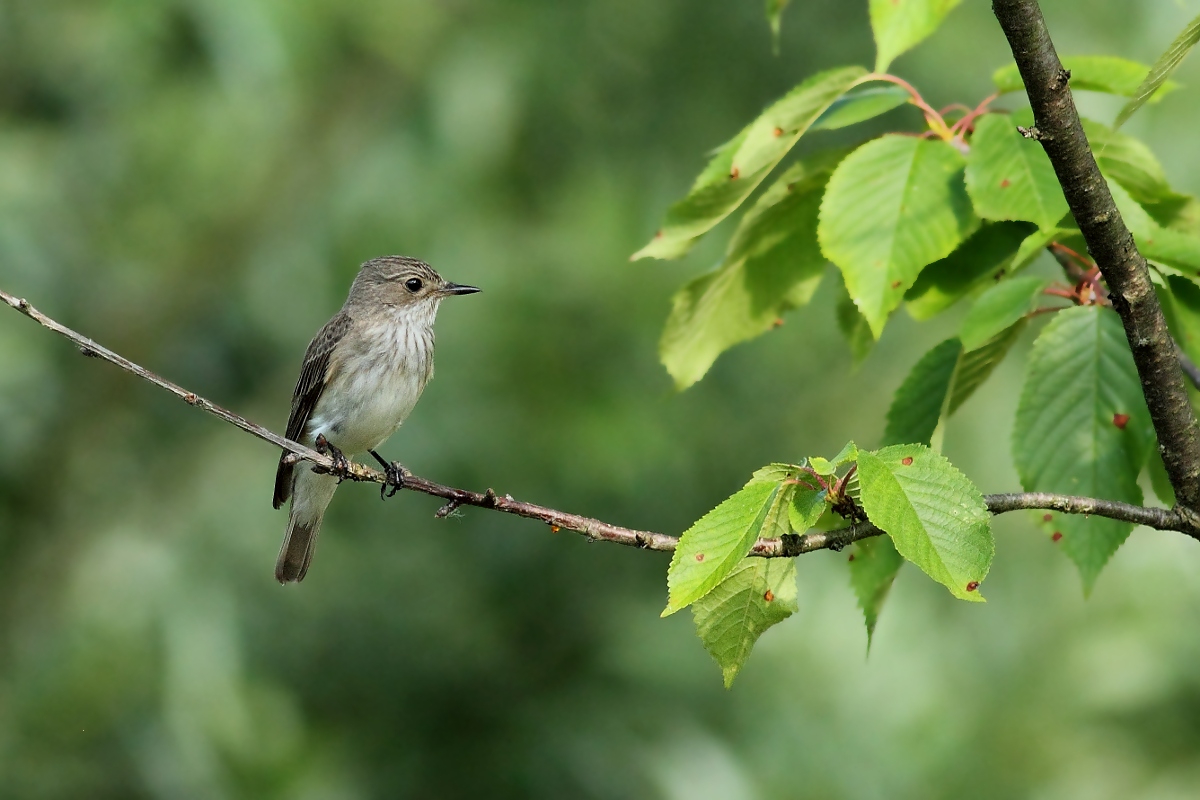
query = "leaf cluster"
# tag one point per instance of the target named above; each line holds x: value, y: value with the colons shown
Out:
x: 924, y: 220
x: 932, y: 513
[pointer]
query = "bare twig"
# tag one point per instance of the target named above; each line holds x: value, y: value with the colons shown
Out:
x: 594, y: 529
x: 1109, y: 242
x: 1162, y: 519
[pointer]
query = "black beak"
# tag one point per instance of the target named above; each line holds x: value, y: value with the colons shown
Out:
x: 458, y: 288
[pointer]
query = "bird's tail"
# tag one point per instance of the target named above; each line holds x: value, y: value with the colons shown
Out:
x: 299, y: 543
x: 311, y: 494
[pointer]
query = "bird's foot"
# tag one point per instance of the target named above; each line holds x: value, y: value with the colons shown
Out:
x: 341, y: 464
x: 396, y: 475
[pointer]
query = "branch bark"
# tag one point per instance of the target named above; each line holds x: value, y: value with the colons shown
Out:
x: 1110, y: 244
x: 787, y: 546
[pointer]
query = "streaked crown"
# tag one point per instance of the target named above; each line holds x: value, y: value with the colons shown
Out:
x: 401, y: 280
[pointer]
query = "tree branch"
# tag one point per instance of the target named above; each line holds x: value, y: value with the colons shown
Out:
x: 786, y: 546
x: 1109, y: 242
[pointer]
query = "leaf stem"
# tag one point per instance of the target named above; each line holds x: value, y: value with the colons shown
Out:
x: 967, y: 123
x: 936, y: 122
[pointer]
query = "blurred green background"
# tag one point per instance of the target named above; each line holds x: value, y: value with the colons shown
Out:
x: 194, y: 183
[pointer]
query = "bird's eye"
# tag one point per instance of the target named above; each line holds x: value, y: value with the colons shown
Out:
x: 413, y: 285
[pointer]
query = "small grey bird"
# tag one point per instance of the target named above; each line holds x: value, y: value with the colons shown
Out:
x: 362, y: 374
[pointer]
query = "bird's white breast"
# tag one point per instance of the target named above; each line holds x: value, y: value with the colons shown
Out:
x: 382, y: 372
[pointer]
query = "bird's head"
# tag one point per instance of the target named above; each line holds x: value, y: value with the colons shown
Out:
x: 402, y: 282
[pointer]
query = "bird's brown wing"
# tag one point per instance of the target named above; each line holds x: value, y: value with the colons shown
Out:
x: 314, y: 374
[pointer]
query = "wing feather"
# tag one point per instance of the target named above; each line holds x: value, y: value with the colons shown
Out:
x: 313, y: 378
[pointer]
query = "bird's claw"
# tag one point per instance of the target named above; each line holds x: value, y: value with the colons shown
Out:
x: 341, y: 464
x: 396, y: 474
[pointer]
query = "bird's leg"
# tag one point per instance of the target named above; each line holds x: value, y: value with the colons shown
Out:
x: 341, y: 464
x: 396, y: 473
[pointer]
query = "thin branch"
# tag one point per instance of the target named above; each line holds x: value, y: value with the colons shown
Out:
x: 1109, y: 242
x: 785, y: 547
x: 89, y: 348
x: 1163, y: 519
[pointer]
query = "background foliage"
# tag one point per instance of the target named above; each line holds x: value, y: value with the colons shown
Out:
x: 194, y: 183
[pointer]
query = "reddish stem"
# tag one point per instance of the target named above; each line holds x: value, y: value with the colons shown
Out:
x: 1083, y: 260
x: 967, y: 123
x: 935, y: 120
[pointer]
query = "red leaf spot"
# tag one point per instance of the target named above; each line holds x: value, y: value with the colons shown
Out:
x: 1047, y: 517
x: 658, y: 234
x: 896, y: 284
x: 769, y: 596
x: 778, y: 321
x: 699, y: 556
x: 1056, y: 536
x: 554, y: 529
x: 733, y: 173
x: 791, y: 186
x: 972, y: 586
x: 1121, y: 420
x: 906, y: 461
x: 778, y: 131
x: 1004, y: 184
x: 851, y: 557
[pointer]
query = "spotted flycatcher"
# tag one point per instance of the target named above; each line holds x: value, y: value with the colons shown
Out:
x: 362, y: 374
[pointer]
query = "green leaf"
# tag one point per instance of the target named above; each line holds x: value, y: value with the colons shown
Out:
x: 1181, y: 213
x: 1157, y: 243
x: 854, y: 328
x: 892, y: 207
x: 940, y: 383
x: 1082, y: 427
x: 807, y: 507
x: 1140, y: 224
x: 758, y: 593
x: 1036, y: 243
x: 1107, y: 74
x: 874, y: 564
x: 998, y: 309
x: 772, y: 135
x: 860, y: 105
x: 1156, y: 80
x: 1130, y: 163
x: 1010, y: 177
x: 976, y: 366
x: 933, y: 513
x: 726, y: 182
x: 825, y: 467
x: 900, y: 25
x: 985, y: 257
x: 1181, y: 305
x: 917, y: 405
x: 847, y: 455
x: 709, y: 550
x: 822, y: 466
x: 774, y: 12
x: 1159, y: 480
x: 774, y: 473
x: 773, y: 265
